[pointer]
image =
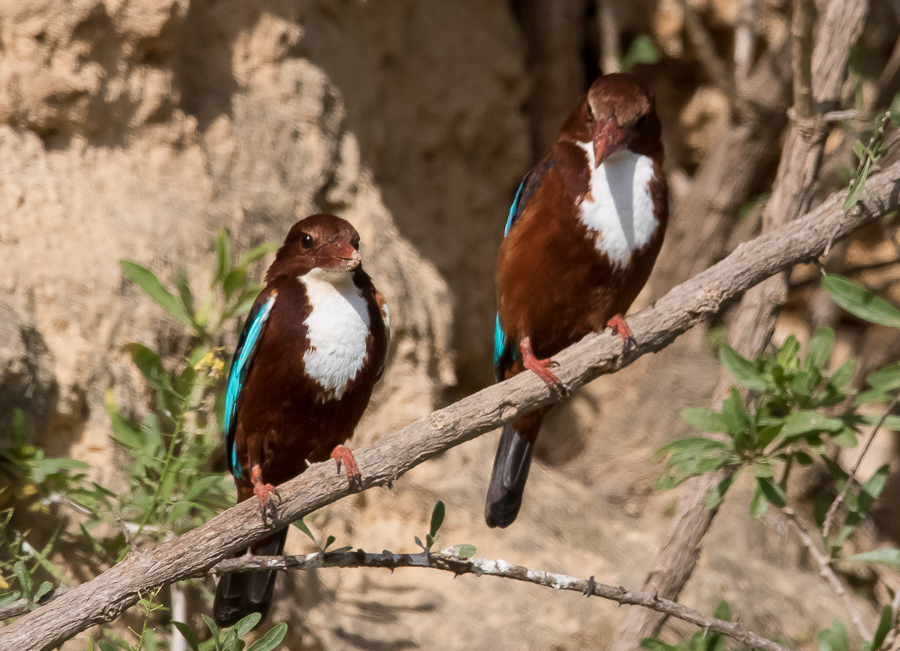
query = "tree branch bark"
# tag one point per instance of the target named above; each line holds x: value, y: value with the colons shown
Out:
x: 105, y: 597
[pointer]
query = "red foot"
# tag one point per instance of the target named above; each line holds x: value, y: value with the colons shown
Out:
x: 264, y: 492
x: 540, y: 367
x: 342, y: 454
x: 618, y: 325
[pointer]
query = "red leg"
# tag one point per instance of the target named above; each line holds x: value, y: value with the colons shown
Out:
x: 618, y: 325
x: 263, y: 491
x: 540, y: 367
x: 342, y: 454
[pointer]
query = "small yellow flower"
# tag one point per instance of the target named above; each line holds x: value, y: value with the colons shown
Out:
x: 3, y: 584
x: 212, y: 362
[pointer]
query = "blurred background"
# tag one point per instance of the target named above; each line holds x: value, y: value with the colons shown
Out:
x: 139, y: 128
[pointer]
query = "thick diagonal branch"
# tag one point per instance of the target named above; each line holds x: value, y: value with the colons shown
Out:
x: 105, y: 597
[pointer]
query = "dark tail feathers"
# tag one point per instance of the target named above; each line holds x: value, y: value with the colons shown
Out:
x: 504, y: 497
x: 240, y: 593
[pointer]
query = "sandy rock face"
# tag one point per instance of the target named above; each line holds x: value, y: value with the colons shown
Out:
x: 137, y: 129
x: 101, y: 162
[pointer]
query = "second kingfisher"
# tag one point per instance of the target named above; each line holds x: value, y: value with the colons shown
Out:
x: 582, y: 235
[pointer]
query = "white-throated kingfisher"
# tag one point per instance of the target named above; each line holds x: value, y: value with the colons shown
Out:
x: 312, y: 348
x: 582, y: 235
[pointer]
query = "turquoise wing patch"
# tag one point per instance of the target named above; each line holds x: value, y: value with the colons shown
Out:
x: 243, y: 360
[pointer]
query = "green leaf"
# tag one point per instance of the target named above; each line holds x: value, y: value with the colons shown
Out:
x: 788, y: 351
x: 885, y: 379
x: 742, y: 369
x: 703, y: 419
x: 184, y: 291
x: 883, y: 628
x: 653, y: 644
x: 834, y: 638
x: 301, y: 525
x: 889, y: 557
x: 857, y: 300
x: 723, y: 611
x: 328, y: 542
x: 147, y: 280
x: 772, y: 492
x: 251, y: 256
x: 149, y: 365
x: 247, y: 624
x: 733, y: 413
x: 437, y: 518
x: 846, y: 438
x: 857, y: 187
x: 819, y: 349
x: 844, y: 374
x: 768, y: 434
x: 234, y: 281
x: 641, y: 51
x: 716, y: 494
x: 271, y: 639
x: 43, y: 589
x: 758, y: 504
x: 799, y: 423
x: 188, y: 634
x: 19, y: 430
x: 465, y: 551
x: 223, y: 256
x: 860, y: 150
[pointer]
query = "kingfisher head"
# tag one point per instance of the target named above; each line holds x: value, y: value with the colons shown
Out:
x: 619, y: 112
x: 320, y: 242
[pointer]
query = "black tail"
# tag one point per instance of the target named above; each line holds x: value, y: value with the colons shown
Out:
x: 240, y: 593
x: 504, y: 497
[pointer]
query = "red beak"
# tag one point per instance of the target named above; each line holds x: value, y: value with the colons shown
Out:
x: 608, y: 138
x: 341, y: 256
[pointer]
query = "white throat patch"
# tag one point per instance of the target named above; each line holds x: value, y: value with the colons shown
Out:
x: 337, y: 328
x: 619, y: 205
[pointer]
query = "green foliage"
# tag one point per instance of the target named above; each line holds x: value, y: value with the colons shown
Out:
x: 232, y: 639
x: 302, y: 526
x: 860, y: 302
x: 868, y: 156
x: 641, y: 51
x: 165, y: 455
x: 785, y: 425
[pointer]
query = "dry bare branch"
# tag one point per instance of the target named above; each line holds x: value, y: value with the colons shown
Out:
x: 826, y: 572
x: 499, y: 568
x: 107, y: 596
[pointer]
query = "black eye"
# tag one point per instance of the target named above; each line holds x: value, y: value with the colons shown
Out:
x: 306, y: 240
x: 641, y: 121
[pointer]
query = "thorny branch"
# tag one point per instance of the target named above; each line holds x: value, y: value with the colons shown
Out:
x: 486, y: 567
x: 829, y: 517
x: 107, y: 596
x: 826, y: 572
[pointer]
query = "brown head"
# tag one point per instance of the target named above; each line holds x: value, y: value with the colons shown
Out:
x: 619, y: 112
x: 318, y: 242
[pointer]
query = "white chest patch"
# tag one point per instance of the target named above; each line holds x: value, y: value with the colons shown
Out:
x: 619, y: 205
x: 337, y: 328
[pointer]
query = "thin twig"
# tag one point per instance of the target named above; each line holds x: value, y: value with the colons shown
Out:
x: 801, y: 59
x: 485, y: 567
x: 610, y: 41
x: 709, y: 58
x: 832, y: 510
x: 744, y: 41
x: 826, y: 572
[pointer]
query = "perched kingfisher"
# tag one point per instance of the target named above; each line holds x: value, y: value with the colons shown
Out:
x: 582, y: 235
x: 313, y: 346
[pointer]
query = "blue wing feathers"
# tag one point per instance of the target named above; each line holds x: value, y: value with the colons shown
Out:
x: 243, y: 360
